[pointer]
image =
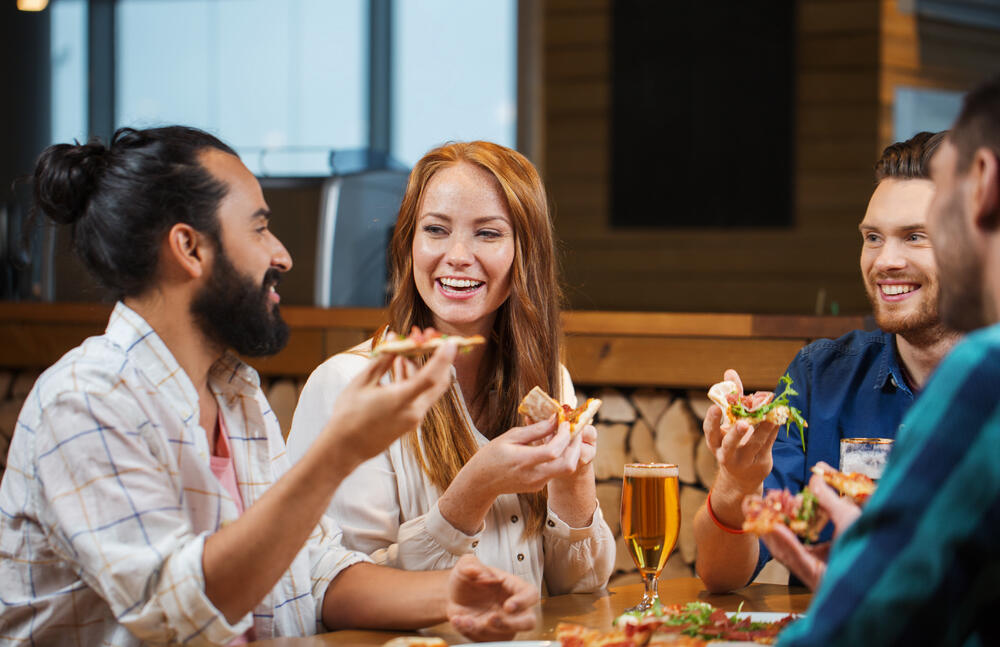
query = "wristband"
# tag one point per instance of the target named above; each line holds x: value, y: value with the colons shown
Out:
x: 711, y: 515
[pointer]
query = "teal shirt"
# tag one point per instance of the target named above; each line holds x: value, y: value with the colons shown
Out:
x: 921, y: 566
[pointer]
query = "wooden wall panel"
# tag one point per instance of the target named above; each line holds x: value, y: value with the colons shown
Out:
x: 919, y: 52
x: 837, y: 116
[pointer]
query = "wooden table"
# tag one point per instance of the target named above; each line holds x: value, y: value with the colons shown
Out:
x: 595, y: 610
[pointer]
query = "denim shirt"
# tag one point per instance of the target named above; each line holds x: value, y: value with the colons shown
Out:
x: 851, y: 387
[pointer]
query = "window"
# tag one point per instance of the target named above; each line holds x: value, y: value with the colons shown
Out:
x: 281, y: 82
x: 69, y: 70
x: 454, y: 74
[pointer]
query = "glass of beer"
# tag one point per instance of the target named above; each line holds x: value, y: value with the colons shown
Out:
x: 865, y: 456
x: 651, y: 519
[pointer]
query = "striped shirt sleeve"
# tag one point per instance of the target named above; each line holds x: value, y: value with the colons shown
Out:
x: 920, y: 565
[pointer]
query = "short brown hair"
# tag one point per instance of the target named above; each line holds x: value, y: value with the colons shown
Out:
x: 978, y: 125
x: 908, y: 160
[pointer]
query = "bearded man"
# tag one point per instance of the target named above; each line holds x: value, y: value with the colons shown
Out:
x: 920, y: 564
x: 859, y: 385
x: 148, y: 497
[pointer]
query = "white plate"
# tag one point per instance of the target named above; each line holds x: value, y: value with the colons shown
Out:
x: 513, y: 643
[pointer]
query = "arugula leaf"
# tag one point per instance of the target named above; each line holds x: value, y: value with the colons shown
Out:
x: 794, y: 417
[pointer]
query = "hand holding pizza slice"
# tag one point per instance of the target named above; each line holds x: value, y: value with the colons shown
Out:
x: 809, y: 562
x: 761, y: 406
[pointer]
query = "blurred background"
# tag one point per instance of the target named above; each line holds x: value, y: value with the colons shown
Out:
x: 699, y: 156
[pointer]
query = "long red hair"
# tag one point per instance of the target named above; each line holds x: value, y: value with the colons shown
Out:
x: 527, y: 333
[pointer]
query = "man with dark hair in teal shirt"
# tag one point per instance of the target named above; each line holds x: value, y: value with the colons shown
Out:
x: 921, y: 565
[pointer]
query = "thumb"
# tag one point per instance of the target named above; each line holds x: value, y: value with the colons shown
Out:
x: 842, y: 510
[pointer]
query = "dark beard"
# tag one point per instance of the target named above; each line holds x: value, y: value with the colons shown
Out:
x: 236, y: 313
x: 960, y: 300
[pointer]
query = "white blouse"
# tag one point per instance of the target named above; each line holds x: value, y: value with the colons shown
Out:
x: 388, y: 506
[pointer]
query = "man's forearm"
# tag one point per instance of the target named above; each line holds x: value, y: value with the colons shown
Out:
x: 726, y: 560
x: 368, y: 596
x: 243, y: 560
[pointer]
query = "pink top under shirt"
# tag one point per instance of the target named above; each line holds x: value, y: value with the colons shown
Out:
x: 222, y: 467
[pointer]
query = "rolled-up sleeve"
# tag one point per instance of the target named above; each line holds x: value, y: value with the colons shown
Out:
x: 328, y: 558
x: 117, y: 512
x: 577, y: 560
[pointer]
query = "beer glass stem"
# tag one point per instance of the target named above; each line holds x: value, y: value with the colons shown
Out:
x: 650, y: 596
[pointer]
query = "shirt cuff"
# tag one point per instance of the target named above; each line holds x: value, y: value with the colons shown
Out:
x: 448, y: 536
x: 562, y: 530
x: 208, y: 624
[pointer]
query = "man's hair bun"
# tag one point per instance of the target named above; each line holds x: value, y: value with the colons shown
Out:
x: 65, y: 178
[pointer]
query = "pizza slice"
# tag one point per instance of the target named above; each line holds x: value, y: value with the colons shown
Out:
x: 799, y: 512
x: 421, y: 342
x: 538, y: 405
x: 857, y: 487
x: 574, y: 635
x: 758, y: 407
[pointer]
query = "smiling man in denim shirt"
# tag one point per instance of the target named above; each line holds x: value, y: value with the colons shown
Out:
x: 859, y: 385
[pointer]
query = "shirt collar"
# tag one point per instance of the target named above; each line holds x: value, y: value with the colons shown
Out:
x: 890, y: 374
x: 145, y: 350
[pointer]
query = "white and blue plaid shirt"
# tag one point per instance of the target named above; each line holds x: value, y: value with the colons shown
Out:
x: 108, y: 497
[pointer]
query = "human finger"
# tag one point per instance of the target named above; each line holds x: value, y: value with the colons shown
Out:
x: 712, y: 426
x: 373, y: 372
x: 434, y: 376
x: 787, y: 548
x: 534, y: 432
x: 842, y: 510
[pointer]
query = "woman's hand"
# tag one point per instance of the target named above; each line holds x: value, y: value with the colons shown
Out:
x: 523, y: 459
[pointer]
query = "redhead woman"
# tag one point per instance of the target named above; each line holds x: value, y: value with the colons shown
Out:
x: 473, y: 253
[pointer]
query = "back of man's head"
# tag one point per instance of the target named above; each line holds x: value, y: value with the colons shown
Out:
x: 978, y: 124
x: 121, y: 199
x: 910, y: 159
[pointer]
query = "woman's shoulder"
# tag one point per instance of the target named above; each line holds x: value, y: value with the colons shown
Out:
x: 344, y: 365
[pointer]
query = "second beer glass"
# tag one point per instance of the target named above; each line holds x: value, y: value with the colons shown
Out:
x: 651, y: 520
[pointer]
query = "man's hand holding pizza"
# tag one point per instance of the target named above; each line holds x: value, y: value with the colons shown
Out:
x: 808, y: 562
x: 743, y: 452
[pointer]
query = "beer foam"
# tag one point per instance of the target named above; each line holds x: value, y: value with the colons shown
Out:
x: 661, y: 470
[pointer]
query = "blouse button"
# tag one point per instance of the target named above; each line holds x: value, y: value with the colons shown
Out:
x: 513, y: 519
x: 520, y: 557
x: 475, y: 543
x: 552, y: 524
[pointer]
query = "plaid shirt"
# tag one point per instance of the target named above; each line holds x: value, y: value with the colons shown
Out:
x: 109, y: 495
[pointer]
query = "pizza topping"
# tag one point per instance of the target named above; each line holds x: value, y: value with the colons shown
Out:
x: 799, y: 512
x: 699, y: 621
x: 759, y: 406
x: 538, y: 405
x: 858, y: 487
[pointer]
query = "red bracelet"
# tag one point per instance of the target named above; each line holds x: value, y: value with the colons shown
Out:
x: 711, y: 515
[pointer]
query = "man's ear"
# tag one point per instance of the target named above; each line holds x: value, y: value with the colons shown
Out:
x: 188, y: 250
x: 984, y: 173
